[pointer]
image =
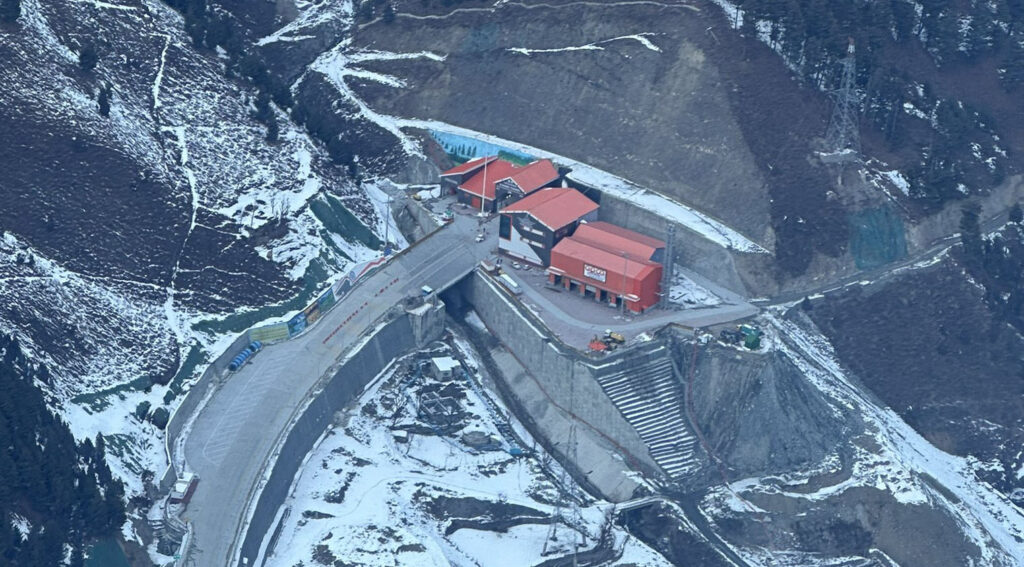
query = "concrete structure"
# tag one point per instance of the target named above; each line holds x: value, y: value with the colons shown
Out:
x: 414, y: 329
x: 443, y: 366
x: 555, y: 385
x: 246, y: 420
x: 611, y: 264
x: 529, y: 228
x: 488, y: 182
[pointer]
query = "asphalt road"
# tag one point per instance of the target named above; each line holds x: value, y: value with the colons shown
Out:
x: 234, y: 434
x: 886, y: 272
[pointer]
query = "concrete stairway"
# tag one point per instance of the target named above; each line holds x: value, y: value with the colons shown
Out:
x: 651, y: 399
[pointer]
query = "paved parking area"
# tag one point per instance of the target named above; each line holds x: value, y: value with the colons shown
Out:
x: 577, y: 319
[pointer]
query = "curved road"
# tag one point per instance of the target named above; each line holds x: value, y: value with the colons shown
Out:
x: 233, y: 436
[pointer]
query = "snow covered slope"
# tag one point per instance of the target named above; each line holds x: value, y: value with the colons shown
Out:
x: 122, y: 233
x: 393, y: 486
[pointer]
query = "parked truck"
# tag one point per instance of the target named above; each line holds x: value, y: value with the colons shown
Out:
x: 614, y: 337
x: 510, y: 284
x: 183, y: 489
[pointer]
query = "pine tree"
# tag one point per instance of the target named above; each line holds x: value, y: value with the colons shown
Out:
x: 1016, y: 215
x: 366, y: 10
x: 10, y: 10
x: 87, y: 57
x: 262, y: 106
x: 272, y: 129
x: 104, y: 100
x: 389, y: 13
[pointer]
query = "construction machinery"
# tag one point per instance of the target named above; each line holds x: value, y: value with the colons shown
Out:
x: 609, y: 342
x: 747, y: 334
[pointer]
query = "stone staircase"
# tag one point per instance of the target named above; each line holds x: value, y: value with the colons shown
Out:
x: 644, y: 388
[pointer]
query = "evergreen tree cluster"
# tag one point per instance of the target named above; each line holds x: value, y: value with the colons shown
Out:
x: 207, y: 27
x: 997, y: 264
x: 211, y: 28
x: 10, y: 10
x: 812, y: 35
x: 64, y: 489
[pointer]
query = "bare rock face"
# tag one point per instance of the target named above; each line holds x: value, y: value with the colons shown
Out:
x: 759, y: 414
x: 657, y: 111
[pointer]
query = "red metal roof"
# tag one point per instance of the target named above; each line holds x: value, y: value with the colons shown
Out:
x: 554, y: 207
x: 469, y: 166
x: 494, y: 172
x: 618, y: 240
x: 529, y: 178
x: 615, y: 263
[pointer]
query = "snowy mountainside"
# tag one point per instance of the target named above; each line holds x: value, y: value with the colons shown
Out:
x: 877, y: 488
x: 121, y: 232
x: 392, y: 486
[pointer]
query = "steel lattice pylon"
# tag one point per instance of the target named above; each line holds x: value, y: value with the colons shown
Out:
x: 843, y: 133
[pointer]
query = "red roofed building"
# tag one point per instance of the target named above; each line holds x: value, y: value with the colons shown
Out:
x: 610, y: 264
x: 488, y: 182
x: 529, y: 228
x: 621, y: 240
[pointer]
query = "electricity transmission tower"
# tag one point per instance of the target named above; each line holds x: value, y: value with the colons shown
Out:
x: 842, y: 139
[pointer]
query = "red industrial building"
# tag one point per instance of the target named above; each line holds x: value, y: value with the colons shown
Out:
x: 611, y: 264
x: 489, y: 182
x: 529, y: 228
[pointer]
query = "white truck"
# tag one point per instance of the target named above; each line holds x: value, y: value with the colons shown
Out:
x: 510, y: 284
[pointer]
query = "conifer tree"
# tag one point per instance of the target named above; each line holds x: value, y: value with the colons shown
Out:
x: 87, y: 57
x: 10, y: 10
x: 1016, y: 215
x: 272, y: 129
x: 104, y: 100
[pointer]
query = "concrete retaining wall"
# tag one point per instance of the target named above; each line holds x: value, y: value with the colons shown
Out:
x: 391, y: 341
x: 196, y: 394
x: 690, y: 249
x: 563, y: 373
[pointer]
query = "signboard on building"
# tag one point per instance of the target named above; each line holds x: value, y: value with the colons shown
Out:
x: 312, y: 313
x: 297, y: 324
x: 270, y: 333
x: 326, y: 301
x: 594, y: 273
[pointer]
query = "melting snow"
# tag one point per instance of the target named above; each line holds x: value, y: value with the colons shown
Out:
x: 904, y: 458
x: 365, y: 492
x: 685, y: 291
x: 21, y: 524
x: 595, y: 46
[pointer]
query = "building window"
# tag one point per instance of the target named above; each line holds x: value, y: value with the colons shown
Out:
x: 505, y: 227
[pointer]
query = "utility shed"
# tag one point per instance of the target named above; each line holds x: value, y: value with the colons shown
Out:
x: 529, y: 228
x: 444, y: 366
x: 609, y: 263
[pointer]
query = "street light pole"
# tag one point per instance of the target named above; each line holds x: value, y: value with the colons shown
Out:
x: 622, y: 292
x: 483, y: 190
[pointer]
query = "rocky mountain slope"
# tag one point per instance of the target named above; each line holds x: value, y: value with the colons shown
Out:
x: 176, y: 171
x: 127, y: 222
